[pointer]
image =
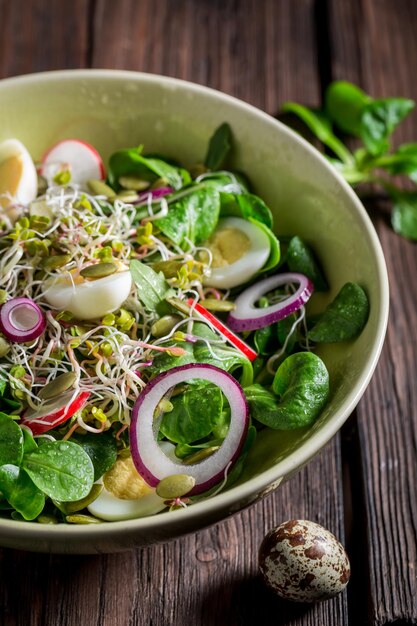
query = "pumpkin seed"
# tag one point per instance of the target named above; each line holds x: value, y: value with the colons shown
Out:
x: 164, y: 325
x: 47, y: 519
x: 42, y: 185
x: 100, y: 270
x: 127, y: 196
x: 175, y: 486
x: 98, y: 188
x: 211, y: 304
x: 55, y: 262
x: 82, y: 519
x: 179, y: 304
x: 196, y: 170
x: 57, y: 386
x: 134, y: 183
x: 4, y: 347
x: 159, y: 182
x: 200, y: 455
x: 168, y: 268
x: 73, y: 507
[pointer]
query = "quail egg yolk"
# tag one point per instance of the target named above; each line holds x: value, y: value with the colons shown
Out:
x: 10, y: 174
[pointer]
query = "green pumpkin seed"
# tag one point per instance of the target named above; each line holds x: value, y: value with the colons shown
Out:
x: 196, y: 170
x: 211, y: 304
x: 57, y: 386
x: 82, y: 519
x: 126, y: 196
x: 200, y: 455
x: 179, y: 305
x: 73, y: 507
x: 55, y: 262
x: 168, y: 268
x: 99, y: 188
x: 100, y: 270
x: 3, y: 296
x: 134, y: 183
x: 47, y: 519
x: 159, y: 182
x: 164, y: 325
x: 4, y: 347
x: 175, y: 486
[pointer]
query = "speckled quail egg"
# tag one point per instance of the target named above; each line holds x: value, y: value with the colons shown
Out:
x: 303, y: 562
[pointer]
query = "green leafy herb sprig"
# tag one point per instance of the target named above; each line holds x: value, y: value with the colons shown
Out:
x: 352, y: 112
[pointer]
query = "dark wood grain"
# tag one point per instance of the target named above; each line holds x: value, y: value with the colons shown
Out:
x: 377, y: 49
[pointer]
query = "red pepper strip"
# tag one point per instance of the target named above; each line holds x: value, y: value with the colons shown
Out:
x: 223, y: 330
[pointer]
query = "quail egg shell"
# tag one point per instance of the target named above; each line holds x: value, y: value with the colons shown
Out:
x: 302, y: 561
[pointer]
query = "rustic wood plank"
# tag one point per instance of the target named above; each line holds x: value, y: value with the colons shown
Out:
x: 373, y: 43
x: 43, y: 35
x: 263, y: 52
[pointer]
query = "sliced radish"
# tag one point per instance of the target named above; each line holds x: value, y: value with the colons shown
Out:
x: 83, y: 161
x: 54, y: 412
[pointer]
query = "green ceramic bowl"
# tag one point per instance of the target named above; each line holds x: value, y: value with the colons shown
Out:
x: 115, y: 109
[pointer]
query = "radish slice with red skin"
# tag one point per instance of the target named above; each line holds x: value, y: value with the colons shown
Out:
x: 247, y: 317
x: 151, y: 462
x: 79, y: 157
x: 54, y: 412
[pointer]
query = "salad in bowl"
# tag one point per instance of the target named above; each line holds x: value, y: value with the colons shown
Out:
x: 152, y: 324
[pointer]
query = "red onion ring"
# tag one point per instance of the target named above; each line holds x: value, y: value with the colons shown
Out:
x: 151, y: 462
x: 247, y: 317
x: 159, y: 192
x: 21, y: 320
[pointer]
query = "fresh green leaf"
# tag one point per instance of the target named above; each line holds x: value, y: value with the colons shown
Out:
x: 60, y: 469
x: 3, y: 384
x: 29, y: 444
x: 182, y: 450
x: 404, y: 215
x: 403, y: 161
x: 101, y: 450
x: 302, y: 386
x: 265, y: 339
x: 300, y: 258
x: 11, y: 441
x: 275, y: 253
x: 344, y: 103
x: 251, y: 206
x: 195, y: 412
x: 192, y: 218
x: 283, y: 329
x: 344, y: 318
x: 20, y: 491
x: 318, y: 123
x: 152, y: 287
x: 130, y: 161
x: 219, y: 146
x: 379, y: 119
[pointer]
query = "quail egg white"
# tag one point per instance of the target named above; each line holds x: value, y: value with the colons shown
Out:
x: 239, y: 249
x: 18, y: 177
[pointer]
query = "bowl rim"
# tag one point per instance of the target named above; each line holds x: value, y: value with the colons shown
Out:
x: 250, y: 490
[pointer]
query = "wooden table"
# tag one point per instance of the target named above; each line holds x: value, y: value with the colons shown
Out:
x: 363, y: 485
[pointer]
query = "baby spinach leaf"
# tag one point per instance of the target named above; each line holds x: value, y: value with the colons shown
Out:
x: 152, y: 287
x: 283, y: 329
x: 344, y: 318
x: 195, y: 413
x: 318, y: 123
x: 101, y: 450
x: 403, y: 161
x: 300, y: 258
x: 11, y: 441
x: 20, y: 491
x: 29, y: 444
x: 344, y: 103
x: 182, y: 450
x: 193, y: 217
x: 219, y: 146
x: 275, y: 253
x: 61, y: 469
x: 226, y: 358
x: 265, y: 339
x: 3, y: 384
x: 251, y: 206
x: 379, y: 119
x: 131, y: 161
x: 404, y: 215
x: 302, y: 386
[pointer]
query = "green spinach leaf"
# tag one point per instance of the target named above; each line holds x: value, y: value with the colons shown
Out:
x: 275, y: 253
x: 130, y: 161
x: 219, y: 146
x: 404, y: 215
x: 11, y: 441
x: 60, y: 469
x: 193, y: 217
x: 195, y: 412
x: 344, y: 318
x: 20, y: 491
x: 300, y: 258
x: 379, y: 119
x: 344, y: 104
x: 101, y: 450
x: 152, y: 287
